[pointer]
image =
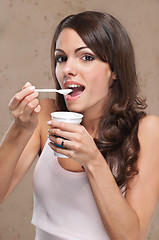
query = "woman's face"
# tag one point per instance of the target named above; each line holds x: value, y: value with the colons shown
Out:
x: 77, y: 67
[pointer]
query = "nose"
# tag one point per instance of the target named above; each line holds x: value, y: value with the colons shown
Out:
x: 70, y: 68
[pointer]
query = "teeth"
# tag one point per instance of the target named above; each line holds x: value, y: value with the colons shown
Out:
x: 73, y: 85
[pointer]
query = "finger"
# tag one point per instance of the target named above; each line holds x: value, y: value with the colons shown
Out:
x: 27, y: 118
x: 30, y: 108
x: 76, y: 133
x: 20, y: 96
x: 19, y: 110
x: 35, y: 113
x: 54, y: 132
x: 70, y: 127
x: 37, y: 109
x: 63, y: 151
x: 65, y: 143
x: 28, y: 84
x: 57, y: 139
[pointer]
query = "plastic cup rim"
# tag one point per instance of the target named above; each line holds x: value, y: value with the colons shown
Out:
x: 67, y: 115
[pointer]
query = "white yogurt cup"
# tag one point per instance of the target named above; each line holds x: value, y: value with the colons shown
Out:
x: 70, y: 117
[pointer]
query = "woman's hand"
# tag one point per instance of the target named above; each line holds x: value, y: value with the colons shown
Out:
x: 78, y: 144
x: 25, y: 107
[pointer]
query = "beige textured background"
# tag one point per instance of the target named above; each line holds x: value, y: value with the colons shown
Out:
x: 26, y: 29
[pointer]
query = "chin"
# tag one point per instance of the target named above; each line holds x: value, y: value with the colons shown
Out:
x: 77, y: 109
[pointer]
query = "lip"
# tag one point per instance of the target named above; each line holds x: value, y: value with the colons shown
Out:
x: 69, y: 82
x: 69, y: 97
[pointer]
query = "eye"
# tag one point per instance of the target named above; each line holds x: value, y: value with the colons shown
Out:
x: 60, y: 58
x: 88, y: 58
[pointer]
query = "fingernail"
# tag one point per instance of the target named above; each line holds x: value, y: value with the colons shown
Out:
x: 27, y: 84
x: 37, y: 109
x: 49, y: 122
x: 32, y: 88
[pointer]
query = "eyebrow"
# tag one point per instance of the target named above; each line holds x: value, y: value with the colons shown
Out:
x: 77, y: 50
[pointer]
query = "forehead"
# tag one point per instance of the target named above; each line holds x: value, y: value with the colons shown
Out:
x: 69, y: 38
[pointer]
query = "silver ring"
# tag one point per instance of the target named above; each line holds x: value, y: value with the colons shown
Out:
x: 62, y: 144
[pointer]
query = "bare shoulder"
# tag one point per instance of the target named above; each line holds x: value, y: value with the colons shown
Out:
x: 143, y: 189
x: 48, y: 101
x: 48, y: 106
x: 148, y: 135
x: 150, y: 120
x: 149, y: 127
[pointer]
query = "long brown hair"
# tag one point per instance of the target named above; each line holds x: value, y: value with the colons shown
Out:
x: 118, y: 140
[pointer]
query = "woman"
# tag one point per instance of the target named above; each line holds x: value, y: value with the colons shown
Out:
x: 105, y: 189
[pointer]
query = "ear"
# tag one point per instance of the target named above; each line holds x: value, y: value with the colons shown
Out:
x: 113, y: 76
x: 113, y: 80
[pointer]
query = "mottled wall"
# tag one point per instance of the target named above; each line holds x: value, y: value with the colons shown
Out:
x: 26, y: 28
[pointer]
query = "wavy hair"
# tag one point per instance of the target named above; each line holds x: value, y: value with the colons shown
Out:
x: 117, y: 133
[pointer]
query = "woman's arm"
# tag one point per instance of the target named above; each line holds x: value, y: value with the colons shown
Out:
x: 129, y: 217
x: 25, y: 108
x: 143, y: 191
x: 124, y: 218
x: 119, y: 218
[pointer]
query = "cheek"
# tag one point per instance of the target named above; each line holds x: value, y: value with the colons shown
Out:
x: 100, y: 81
x: 58, y: 76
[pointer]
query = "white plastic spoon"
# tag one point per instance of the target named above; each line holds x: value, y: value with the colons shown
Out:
x: 61, y: 91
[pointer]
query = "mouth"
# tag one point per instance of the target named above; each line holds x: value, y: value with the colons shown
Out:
x: 77, y: 90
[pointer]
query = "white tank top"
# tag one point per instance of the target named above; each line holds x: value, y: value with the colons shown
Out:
x: 64, y: 206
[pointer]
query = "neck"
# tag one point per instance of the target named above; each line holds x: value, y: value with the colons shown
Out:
x: 91, y: 119
x: 91, y: 123
x: 93, y: 115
